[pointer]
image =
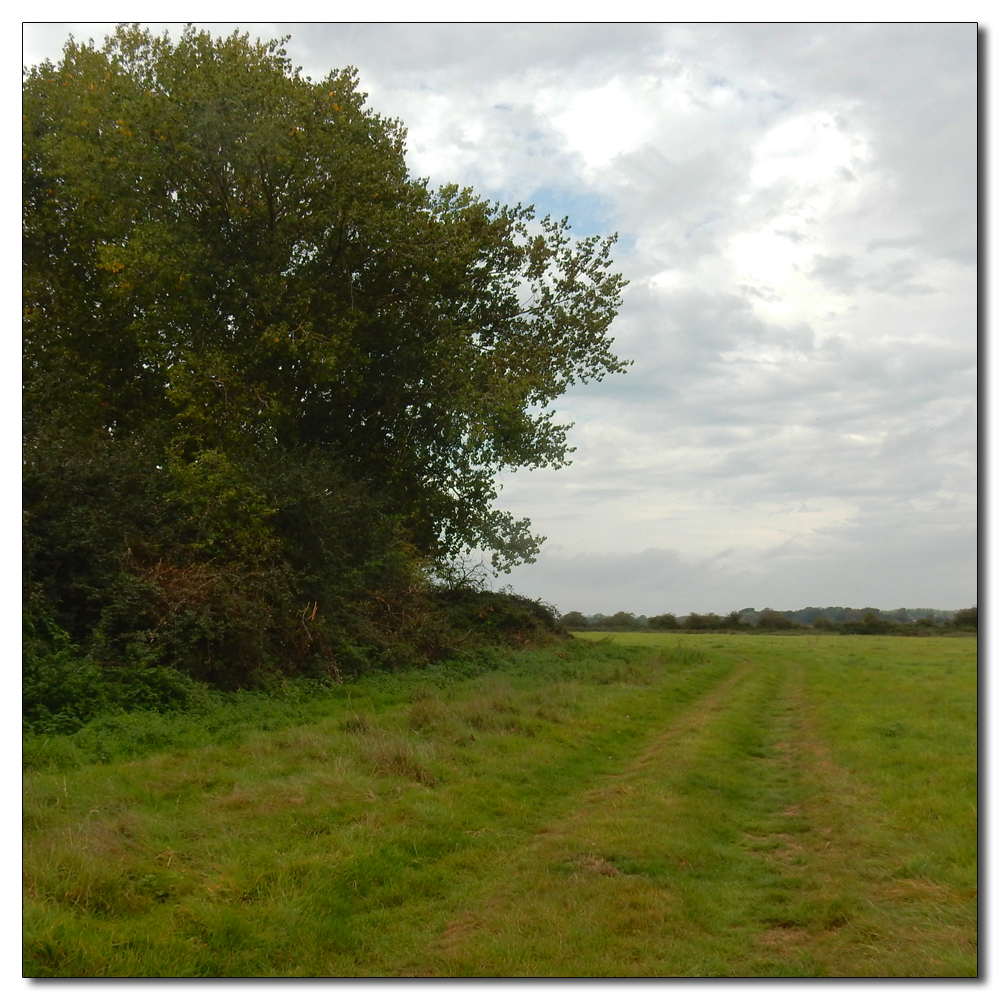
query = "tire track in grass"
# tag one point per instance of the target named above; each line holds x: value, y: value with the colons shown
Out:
x: 693, y: 721
x: 849, y: 920
x: 696, y: 716
x: 568, y: 906
x: 799, y: 928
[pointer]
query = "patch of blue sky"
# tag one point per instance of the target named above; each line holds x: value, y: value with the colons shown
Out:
x: 589, y: 214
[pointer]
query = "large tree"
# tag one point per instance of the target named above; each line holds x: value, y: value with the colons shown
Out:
x: 228, y: 271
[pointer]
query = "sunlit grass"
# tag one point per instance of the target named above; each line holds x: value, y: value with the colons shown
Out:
x: 738, y: 806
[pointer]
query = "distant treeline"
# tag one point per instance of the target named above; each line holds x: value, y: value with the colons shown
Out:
x: 859, y: 621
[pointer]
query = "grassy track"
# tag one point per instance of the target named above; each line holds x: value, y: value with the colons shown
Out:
x: 738, y: 806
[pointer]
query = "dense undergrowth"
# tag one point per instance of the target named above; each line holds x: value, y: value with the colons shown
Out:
x: 65, y: 687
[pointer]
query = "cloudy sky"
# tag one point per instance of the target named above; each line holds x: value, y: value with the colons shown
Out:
x: 796, y: 210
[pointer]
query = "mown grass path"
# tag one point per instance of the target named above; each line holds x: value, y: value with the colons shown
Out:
x: 781, y: 808
x: 734, y: 846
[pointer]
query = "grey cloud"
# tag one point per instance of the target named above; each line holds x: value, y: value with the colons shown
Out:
x: 692, y: 199
x: 868, y: 421
x: 651, y: 581
x: 913, y: 86
x: 687, y: 337
x: 479, y: 52
x: 881, y: 559
x: 791, y: 234
x: 901, y: 242
x: 836, y: 272
x: 893, y: 278
x: 764, y: 293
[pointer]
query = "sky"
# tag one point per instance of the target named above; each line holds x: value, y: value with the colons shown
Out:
x: 797, y: 219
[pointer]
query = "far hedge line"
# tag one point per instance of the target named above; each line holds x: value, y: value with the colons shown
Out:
x: 851, y: 622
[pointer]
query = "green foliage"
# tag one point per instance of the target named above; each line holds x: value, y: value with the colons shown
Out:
x: 231, y: 254
x: 870, y: 624
x: 969, y: 616
x: 623, y: 620
x: 502, y: 618
x: 697, y: 622
x: 270, y: 377
x: 665, y: 622
x: 771, y: 620
x: 229, y: 573
x: 574, y: 621
x: 849, y: 621
x: 60, y: 692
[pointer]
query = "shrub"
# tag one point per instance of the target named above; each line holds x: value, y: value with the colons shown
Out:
x: 664, y: 623
x: 622, y: 620
x: 772, y: 620
x: 701, y: 622
x: 482, y: 617
x: 967, y: 617
x: 227, y: 571
x: 870, y: 624
x: 61, y: 691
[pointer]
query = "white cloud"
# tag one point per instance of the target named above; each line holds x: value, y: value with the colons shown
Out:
x: 809, y: 149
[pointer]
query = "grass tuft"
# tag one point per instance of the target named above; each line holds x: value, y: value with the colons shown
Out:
x: 395, y: 755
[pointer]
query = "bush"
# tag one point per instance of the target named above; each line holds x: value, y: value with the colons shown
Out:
x: 483, y: 617
x: 622, y: 621
x: 62, y: 691
x: 229, y: 572
x: 870, y: 624
x: 701, y: 622
x: 772, y: 620
x: 664, y: 623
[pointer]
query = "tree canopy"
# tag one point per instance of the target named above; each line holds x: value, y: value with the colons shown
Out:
x: 255, y: 343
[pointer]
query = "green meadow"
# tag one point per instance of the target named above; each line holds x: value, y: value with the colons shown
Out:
x: 628, y: 805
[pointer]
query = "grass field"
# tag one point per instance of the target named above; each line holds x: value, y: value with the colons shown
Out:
x: 718, y: 805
